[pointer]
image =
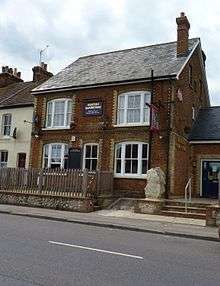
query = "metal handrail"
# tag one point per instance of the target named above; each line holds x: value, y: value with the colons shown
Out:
x: 188, y: 193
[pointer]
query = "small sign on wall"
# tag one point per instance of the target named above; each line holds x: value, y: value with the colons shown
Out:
x: 93, y: 108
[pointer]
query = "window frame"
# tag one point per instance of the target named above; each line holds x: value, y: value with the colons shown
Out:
x: 6, y: 162
x: 122, y: 174
x: 62, y: 163
x: 142, y: 108
x: 90, y: 158
x: 6, y: 125
x: 52, y: 114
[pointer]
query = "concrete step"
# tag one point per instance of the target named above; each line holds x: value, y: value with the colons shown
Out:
x: 182, y: 203
x: 182, y: 209
x: 183, y: 214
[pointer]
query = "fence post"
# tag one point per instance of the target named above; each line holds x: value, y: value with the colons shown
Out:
x: 40, y: 182
x: 85, y: 181
x: 98, y: 177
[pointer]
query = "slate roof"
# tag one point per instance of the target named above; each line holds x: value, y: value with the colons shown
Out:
x: 120, y: 66
x: 17, y: 94
x: 207, y: 125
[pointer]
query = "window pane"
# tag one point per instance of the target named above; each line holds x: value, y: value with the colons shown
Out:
x: 87, y: 164
x: 134, y: 166
x: 133, y: 115
x: 59, y: 107
x: 144, y: 166
x: 128, y: 166
x: 46, y: 150
x: 118, y: 166
x: 58, y: 120
x: 144, y: 151
x: 94, y: 151
x: 118, y: 151
x: 49, y: 107
x: 121, y: 101
x: 135, y: 151
x: 94, y: 164
x: 128, y: 151
x: 147, y: 97
x: 121, y: 116
x: 88, y: 151
x: 146, y: 114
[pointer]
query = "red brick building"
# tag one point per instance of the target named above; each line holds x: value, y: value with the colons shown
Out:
x: 100, y: 107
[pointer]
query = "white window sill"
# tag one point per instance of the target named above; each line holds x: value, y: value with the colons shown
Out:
x: 56, y: 128
x: 130, y: 176
x: 131, y: 124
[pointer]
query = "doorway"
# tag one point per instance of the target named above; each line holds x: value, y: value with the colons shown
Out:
x: 210, y: 170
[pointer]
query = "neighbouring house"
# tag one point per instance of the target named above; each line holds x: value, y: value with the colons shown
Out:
x: 16, y: 115
x: 96, y: 113
x: 204, y: 140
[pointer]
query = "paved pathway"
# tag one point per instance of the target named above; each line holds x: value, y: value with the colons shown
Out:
x: 122, y: 220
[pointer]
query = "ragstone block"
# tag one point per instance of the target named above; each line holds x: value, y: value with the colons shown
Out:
x: 45, y: 201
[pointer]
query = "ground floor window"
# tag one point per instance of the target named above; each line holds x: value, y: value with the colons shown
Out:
x: 55, y: 155
x: 3, y: 159
x: 90, y: 156
x: 131, y: 159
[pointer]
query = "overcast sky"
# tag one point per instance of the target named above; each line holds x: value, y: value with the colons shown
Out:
x: 74, y: 28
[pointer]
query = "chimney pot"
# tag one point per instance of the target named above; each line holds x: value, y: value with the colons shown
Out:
x: 182, y: 14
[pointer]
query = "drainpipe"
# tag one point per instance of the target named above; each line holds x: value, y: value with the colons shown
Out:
x: 150, y: 133
x: 170, y: 111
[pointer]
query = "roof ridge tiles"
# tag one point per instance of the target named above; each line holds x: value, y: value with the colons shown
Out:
x: 130, y: 49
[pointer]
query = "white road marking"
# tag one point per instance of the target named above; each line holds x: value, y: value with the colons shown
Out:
x: 95, y: 249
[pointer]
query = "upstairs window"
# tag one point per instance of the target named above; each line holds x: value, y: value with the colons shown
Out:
x: 6, y: 124
x: 59, y: 113
x: 55, y: 155
x: 132, y: 108
x: 3, y: 159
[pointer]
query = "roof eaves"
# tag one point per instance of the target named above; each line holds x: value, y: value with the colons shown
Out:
x: 69, y: 88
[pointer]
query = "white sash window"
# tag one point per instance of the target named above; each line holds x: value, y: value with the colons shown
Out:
x: 59, y: 112
x: 131, y: 159
x: 132, y: 108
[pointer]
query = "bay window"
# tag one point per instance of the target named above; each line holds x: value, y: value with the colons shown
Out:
x: 131, y: 159
x: 54, y: 155
x: 133, y: 108
x: 59, y: 113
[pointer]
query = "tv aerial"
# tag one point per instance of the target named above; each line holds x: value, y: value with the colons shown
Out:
x: 41, y: 53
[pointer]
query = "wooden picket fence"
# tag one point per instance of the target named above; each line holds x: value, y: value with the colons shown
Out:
x: 56, y: 181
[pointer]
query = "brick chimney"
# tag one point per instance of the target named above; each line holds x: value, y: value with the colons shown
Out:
x: 183, y: 27
x: 9, y: 76
x: 40, y: 73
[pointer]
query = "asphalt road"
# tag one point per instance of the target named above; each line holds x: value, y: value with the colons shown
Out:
x: 41, y: 252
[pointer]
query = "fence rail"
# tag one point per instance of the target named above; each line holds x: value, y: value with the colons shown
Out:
x: 56, y: 181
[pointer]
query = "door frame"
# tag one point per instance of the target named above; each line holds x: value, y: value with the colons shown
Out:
x: 201, y: 163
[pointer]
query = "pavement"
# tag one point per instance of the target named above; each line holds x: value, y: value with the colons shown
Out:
x: 125, y: 220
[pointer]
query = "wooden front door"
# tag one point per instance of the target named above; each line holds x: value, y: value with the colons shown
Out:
x: 21, y: 160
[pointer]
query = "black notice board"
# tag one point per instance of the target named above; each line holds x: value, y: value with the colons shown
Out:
x: 93, y: 108
x: 75, y: 158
